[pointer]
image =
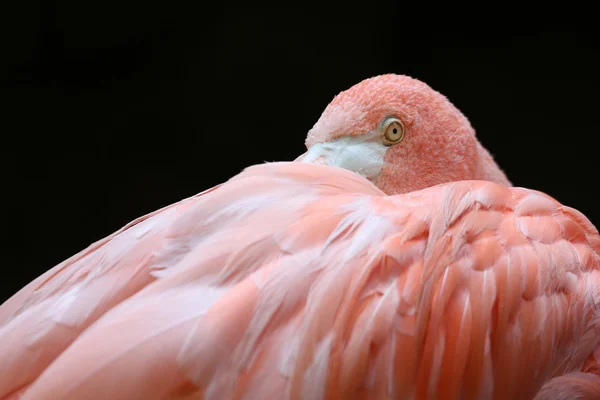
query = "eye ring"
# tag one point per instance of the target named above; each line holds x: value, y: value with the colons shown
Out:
x: 393, y: 131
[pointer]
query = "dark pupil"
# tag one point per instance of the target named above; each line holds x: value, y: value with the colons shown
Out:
x: 395, y: 131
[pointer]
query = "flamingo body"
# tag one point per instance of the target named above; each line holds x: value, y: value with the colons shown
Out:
x: 392, y: 260
x: 312, y: 283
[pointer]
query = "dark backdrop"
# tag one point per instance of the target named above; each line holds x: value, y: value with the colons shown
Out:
x: 114, y: 110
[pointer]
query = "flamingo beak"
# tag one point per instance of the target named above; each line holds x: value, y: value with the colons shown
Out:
x: 361, y: 154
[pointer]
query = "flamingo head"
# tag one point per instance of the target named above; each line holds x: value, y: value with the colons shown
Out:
x: 400, y: 134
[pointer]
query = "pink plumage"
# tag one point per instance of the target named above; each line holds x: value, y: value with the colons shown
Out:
x: 408, y: 269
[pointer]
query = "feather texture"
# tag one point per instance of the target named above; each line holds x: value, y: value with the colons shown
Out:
x: 301, y: 281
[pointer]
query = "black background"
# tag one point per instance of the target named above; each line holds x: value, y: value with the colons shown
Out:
x: 116, y: 109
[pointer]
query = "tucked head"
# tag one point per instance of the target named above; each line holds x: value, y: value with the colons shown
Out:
x: 401, y: 134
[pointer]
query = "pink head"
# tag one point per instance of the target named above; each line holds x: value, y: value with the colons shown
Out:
x: 401, y: 134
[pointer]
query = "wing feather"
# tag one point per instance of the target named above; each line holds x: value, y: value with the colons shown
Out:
x: 302, y: 281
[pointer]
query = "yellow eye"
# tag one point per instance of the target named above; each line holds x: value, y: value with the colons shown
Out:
x: 393, y: 131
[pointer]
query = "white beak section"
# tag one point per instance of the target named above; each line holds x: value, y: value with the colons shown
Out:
x: 361, y: 154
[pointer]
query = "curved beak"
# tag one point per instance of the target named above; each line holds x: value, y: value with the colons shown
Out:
x: 361, y: 154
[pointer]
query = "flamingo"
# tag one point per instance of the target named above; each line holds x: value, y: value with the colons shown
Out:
x: 393, y: 259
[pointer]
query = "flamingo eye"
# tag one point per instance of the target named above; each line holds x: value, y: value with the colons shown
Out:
x: 393, y: 131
